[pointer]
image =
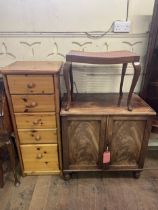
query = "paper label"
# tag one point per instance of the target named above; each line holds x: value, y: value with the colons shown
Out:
x: 106, y: 157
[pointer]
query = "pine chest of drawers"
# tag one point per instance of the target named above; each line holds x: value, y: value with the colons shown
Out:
x: 32, y: 89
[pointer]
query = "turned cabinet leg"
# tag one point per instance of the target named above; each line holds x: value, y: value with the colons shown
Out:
x: 137, y: 70
x: 68, y: 83
x: 67, y: 176
x: 11, y: 152
x: 124, y: 67
x: 136, y: 174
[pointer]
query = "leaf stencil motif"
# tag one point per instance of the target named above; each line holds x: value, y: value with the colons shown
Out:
x: 55, y: 51
x: 4, y: 51
x: 31, y: 46
x: 132, y: 44
x: 107, y: 46
x: 82, y: 45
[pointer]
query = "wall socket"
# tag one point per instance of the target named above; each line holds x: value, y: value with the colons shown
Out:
x: 121, y: 26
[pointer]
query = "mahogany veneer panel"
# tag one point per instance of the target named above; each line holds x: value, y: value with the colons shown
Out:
x: 83, y: 142
x: 126, y: 141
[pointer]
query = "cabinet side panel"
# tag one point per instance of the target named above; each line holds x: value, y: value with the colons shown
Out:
x: 83, y: 143
x: 13, y: 121
x: 126, y: 142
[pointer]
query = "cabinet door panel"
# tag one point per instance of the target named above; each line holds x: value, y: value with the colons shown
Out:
x: 126, y: 141
x: 82, y: 143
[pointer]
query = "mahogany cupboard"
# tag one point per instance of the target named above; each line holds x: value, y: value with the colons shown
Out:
x: 95, y: 122
x: 32, y: 90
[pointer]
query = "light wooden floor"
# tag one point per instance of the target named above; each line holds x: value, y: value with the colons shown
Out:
x: 85, y: 192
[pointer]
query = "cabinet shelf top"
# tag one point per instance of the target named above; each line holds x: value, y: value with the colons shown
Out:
x: 105, y: 104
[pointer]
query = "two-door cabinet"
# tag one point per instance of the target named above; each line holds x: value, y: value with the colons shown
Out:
x: 96, y: 122
x: 32, y: 89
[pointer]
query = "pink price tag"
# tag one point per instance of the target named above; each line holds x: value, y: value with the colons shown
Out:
x: 106, y: 157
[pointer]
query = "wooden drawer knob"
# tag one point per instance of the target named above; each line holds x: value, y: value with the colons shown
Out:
x: 36, y: 122
x: 31, y: 85
x: 31, y: 105
x: 39, y: 156
x: 38, y: 138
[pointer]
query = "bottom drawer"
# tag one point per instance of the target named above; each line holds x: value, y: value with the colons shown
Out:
x: 40, y: 158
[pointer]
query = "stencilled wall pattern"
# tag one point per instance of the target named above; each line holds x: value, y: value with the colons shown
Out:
x: 88, y: 78
x: 34, y: 41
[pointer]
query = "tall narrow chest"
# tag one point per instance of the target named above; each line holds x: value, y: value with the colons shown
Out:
x: 32, y: 89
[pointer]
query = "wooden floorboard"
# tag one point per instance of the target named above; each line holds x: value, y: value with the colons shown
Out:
x: 41, y: 192
x: 17, y: 198
x: 85, y: 191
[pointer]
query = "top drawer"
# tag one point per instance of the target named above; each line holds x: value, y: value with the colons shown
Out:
x: 30, y: 84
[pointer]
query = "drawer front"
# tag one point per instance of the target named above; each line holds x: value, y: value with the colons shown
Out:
x: 36, y: 121
x: 30, y: 84
x: 35, y: 136
x: 33, y: 103
x: 40, y: 157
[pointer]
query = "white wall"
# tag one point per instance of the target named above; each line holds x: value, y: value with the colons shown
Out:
x: 48, y: 29
x: 59, y: 15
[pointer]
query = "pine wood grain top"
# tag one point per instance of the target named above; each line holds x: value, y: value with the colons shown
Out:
x: 105, y: 104
x: 33, y: 67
